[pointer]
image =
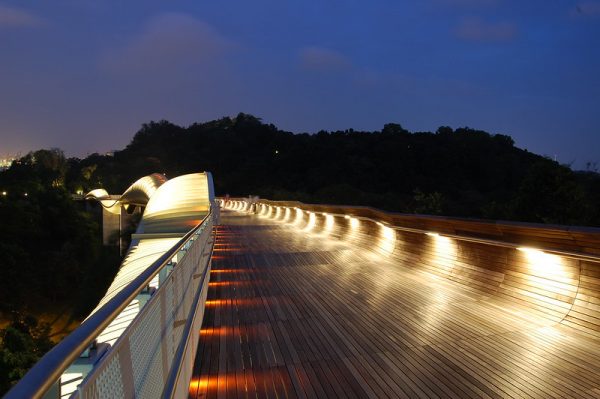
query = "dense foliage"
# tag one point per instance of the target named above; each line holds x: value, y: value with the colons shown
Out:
x: 462, y: 172
x: 52, y: 263
x: 50, y: 247
x: 22, y: 343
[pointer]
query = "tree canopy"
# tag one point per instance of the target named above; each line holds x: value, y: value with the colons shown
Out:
x: 458, y: 172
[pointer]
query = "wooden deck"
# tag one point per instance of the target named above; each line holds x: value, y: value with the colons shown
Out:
x: 293, y: 314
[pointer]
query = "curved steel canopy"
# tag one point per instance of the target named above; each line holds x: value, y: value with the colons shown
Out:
x: 172, y: 208
x: 139, y: 193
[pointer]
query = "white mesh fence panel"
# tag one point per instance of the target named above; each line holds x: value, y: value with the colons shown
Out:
x: 139, y: 363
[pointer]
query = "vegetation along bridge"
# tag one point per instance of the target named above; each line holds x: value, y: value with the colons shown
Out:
x: 224, y: 298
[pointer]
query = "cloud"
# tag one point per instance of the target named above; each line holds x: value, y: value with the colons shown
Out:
x: 166, y: 43
x: 322, y: 59
x: 478, y: 30
x: 11, y: 17
x: 589, y: 8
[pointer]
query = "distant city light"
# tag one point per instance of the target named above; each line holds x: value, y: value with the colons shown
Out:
x: 26, y: 194
x: 4, y: 193
x: 6, y: 162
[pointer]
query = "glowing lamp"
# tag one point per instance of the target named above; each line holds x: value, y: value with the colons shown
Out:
x: 311, y: 221
x: 328, y: 221
x: 530, y: 251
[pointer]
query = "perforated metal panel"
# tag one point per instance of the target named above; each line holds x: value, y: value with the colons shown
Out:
x: 141, y: 359
x: 108, y: 384
x: 146, y: 357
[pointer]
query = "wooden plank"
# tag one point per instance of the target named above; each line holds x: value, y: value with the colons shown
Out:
x: 297, y: 314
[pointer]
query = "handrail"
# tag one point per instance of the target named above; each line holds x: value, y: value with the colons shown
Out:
x: 170, y: 385
x: 49, y: 368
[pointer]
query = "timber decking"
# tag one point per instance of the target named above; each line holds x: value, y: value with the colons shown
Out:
x: 296, y: 314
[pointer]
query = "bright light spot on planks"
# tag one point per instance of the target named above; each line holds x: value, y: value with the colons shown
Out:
x: 299, y: 216
x: 444, y: 254
x: 354, y: 223
x: 216, y: 331
x: 215, y: 302
x: 311, y: 221
x: 221, y: 283
x: 202, y: 384
x: 287, y: 215
x: 329, y: 222
x: 544, y: 264
x: 278, y: 212
x: 530, y: 251
x: 232, y: 249
x: 387, y: 238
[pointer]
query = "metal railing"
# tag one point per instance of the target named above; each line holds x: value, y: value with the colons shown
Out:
x: 195, y: 264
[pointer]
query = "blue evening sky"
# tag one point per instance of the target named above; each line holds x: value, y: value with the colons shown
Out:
x: 83, y: 75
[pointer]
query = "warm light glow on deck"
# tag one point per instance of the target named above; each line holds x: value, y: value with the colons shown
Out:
x: 311, y: 221
x: 299, y: 216
x: 543, y: 264
x: 354, y: 223
x: 445, y: 251
x: 216, y: 331
x: 387, y: 240
x: 215, y: 302
x: 202, y: 384
x: 229, y: 249
x: 220, y: 283
x: 329, y: 222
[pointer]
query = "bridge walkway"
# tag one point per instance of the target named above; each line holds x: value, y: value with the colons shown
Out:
x: 292, y: 314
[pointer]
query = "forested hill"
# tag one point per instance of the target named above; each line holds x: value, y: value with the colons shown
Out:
x: 462, y: 172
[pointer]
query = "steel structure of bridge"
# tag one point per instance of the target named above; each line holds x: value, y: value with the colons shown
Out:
x: 228, y: 298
